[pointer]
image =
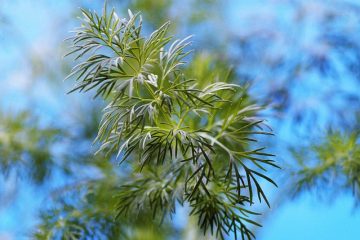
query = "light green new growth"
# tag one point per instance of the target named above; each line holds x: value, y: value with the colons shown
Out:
x: 186, y: 138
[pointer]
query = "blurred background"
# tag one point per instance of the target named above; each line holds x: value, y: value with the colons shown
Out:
x: 300, y: 58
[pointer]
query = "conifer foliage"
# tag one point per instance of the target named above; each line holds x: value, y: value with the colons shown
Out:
x: 186, y: 138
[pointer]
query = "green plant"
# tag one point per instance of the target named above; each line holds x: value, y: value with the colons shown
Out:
x: 25, y: 147
x: 186, y: 139
x: 335, y: 161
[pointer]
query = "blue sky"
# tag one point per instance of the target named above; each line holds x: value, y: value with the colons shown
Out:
x: 36, y: 28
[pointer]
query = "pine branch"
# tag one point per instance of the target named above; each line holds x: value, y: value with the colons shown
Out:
x: 191, y: 134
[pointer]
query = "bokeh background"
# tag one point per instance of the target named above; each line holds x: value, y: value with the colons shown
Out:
x: 300, y: 58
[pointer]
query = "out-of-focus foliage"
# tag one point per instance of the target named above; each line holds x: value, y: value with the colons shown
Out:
x: 184, y: 13
x: 305, y: 59
x: 25, y: 147
x: 156, y: 12
x: 188, y: 138
x: 84, y: 210
x: 333, y: 163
